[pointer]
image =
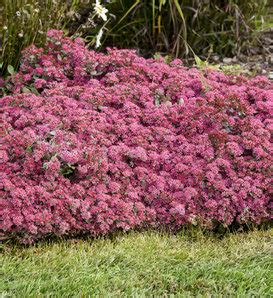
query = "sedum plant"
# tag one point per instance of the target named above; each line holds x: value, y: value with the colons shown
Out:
x: 114, y: 141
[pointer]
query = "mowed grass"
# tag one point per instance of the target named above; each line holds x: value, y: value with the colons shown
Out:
x: 141, y: 264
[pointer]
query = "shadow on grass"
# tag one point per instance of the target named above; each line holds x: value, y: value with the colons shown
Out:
x: 190, y: 232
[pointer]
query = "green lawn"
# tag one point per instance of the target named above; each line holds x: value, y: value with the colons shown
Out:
x: 141, y: 264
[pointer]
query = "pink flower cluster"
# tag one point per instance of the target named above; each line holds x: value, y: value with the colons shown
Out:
x: 115, y: 141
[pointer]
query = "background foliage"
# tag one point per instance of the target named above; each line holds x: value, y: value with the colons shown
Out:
x: 24, y: 22
x: 173, y: 27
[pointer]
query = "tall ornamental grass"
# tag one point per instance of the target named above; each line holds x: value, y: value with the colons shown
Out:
x: 180, y: 27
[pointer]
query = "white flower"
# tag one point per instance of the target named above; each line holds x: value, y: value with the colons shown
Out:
x: 18, y: 13
x: 5, y: 28
x: 21, y: 34
x: 98, y: 38
x: 100, y: 10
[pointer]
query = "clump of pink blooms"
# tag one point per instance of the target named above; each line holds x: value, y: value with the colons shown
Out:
x: 114, y: 141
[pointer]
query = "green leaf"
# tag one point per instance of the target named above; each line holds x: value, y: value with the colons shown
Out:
x: 157, y: 101
x: 29, y: 149
x: 10, y: 69
x: 25, y: 90
x: 34, y: 90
